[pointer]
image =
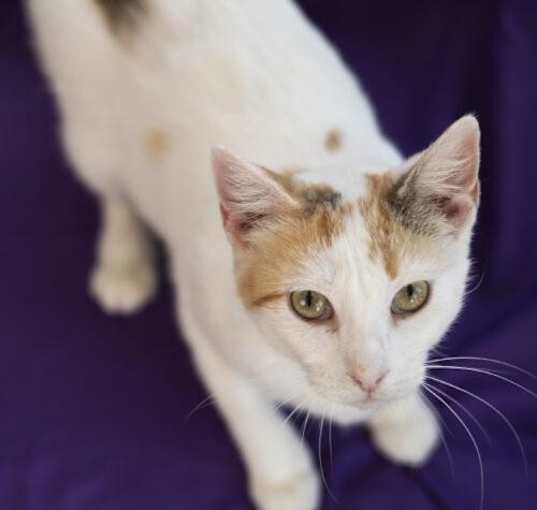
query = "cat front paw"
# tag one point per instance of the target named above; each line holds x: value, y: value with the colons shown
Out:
x: 410, y: 441
x: 301, y: 492
x: 123, y: 290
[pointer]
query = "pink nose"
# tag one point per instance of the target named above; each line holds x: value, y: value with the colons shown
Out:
x: 368, y: 384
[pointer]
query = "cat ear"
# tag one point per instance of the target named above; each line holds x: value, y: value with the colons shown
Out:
x: 249, y: 196
x: 442, y: 181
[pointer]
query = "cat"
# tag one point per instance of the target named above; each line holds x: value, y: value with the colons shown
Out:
x: 315, y: 267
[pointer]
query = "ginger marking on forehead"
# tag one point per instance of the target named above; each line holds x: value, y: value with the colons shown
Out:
x: 283, y: 250
x: 278, y: 248
x: 387, y: 236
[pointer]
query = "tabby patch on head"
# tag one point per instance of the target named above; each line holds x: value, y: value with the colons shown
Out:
x: 436, y: 197
x: 387, y: 236
x: 310, y: 195
x: 272, y: 221
x: 439, y: 194
x: 121, y: 14
x: 278, y: 224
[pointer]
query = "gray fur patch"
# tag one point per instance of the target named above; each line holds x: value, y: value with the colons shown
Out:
x: 417, y: 213
x: 321, y: 196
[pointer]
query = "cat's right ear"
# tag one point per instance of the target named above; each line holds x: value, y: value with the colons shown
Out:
x: 249, y: 196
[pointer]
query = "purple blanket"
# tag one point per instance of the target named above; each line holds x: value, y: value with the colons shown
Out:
x: 94, y: 411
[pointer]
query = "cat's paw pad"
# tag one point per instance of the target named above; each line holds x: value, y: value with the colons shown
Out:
x: 120, y: 291
x: 409, y: 444
x: 302, y: 492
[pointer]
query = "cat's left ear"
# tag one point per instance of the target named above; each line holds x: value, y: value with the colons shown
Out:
x: 442, y: 184
x: 250, y: 198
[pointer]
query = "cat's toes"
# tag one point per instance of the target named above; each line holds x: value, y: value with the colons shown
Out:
x: 301, y: 492
x: 409, y: 443
x: 121, y: 291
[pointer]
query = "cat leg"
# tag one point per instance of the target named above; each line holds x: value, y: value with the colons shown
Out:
x: 279, y: 466
x: 124, y: 277
x: 406, y: 432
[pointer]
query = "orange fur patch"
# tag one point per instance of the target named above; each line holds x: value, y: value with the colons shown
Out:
x: 281, y: 249
x: 391, y: 236
x: 158, y: 143
x: 387, y: 236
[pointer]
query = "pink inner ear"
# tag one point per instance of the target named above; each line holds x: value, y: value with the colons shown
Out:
x: 225, y: 215
x: 447, y: 171
x: 457, y: 209
x: 248, y: 195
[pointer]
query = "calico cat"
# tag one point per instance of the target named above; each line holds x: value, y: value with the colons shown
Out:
x: 314, y: 266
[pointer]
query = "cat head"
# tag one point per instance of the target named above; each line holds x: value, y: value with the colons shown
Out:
x: 357, y: 292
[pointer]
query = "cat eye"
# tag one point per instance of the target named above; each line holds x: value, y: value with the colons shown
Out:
x: 411, y: 298
x: 311, y: 305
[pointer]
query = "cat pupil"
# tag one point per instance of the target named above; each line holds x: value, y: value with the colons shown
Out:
x: 309, y: 299
x: 410, y: 291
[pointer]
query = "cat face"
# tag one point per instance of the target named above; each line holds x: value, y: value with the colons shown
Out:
x: 356, y: 292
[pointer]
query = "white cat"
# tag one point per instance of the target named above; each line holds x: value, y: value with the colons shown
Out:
x: 343, y: 265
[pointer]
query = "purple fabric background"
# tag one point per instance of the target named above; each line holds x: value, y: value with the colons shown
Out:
x: 93, y: 410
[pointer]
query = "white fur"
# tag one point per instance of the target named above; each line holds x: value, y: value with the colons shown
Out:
x: 257, y: 78
x: 124, y: 277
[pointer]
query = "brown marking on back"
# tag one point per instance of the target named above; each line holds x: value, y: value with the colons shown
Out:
x: 158, y: 143
x: 121, y: 14
x: 333, y: 140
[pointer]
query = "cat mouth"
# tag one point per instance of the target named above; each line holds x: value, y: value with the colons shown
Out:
x: 372, y: 403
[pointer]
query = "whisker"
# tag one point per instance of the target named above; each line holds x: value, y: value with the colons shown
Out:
x: 279, y: 405
x: 330, y: 447
x: 485, y: 372
x: 305, y: 425
x: 488, y: 369
x: 284, y: 403
x: 207, y: 401
x: 476, y: 286
x: 472, y: 439
x: 442, y: 435
x: 319, y: 452
x: 449, y: 455
x: 464, y: 408
x: 292, y: 413
x: 495, y: 410
x: 488, y: 360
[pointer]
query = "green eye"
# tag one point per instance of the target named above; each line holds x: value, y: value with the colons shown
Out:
x: 311, y: 305
x: 411, y: 298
